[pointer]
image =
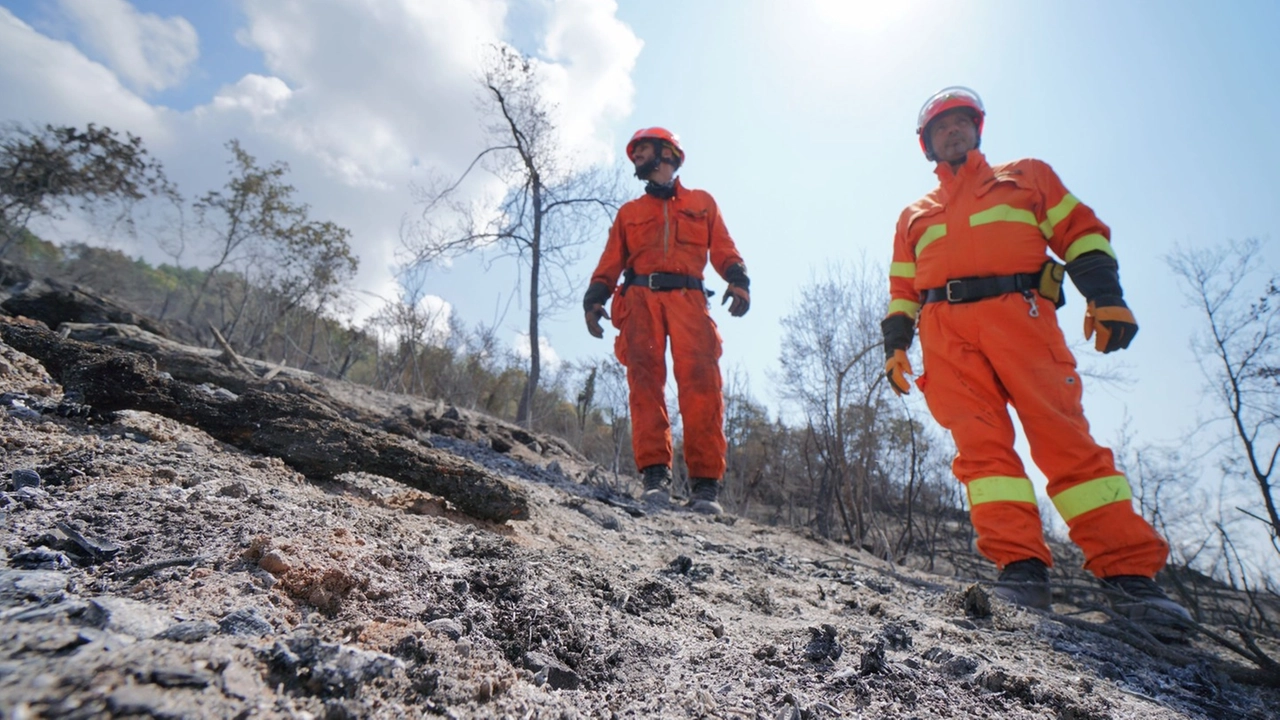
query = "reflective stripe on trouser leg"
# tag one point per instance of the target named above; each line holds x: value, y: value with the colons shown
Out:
x: 1031, y: 358
x: 965, y: 397
x: 695, y: 362
x: 641, y: 346
x: 1005, y: 509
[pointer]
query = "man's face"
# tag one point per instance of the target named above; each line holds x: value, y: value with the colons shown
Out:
x: 952, y: 135
x: 645, y: 151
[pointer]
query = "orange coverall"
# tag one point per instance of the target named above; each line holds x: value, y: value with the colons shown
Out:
x: 650, y: 235
x: 979, y: 356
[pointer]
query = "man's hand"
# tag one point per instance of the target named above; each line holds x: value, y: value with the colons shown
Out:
x: 593, y: 303
x: 741, y: 300
x: 896, y: 368
x: 1114, y: 324
x: 593, y: 320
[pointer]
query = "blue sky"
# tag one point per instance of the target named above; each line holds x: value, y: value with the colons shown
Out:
x: 798, y: 117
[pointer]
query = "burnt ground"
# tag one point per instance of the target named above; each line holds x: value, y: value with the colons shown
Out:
x: 150, y: 570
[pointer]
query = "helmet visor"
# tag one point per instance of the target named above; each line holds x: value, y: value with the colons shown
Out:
x: 947, y: 99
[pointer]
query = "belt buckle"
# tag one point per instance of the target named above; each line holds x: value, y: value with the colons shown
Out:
x: 650, y: 285
x: 950, y: 297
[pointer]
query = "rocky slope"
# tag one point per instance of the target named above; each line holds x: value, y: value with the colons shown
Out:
x: 150, y: 570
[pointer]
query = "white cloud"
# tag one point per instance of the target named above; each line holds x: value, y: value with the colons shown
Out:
x: 147, y: 51
x: 550, y: 358
x: 357, y: 96
x: 590, y: 55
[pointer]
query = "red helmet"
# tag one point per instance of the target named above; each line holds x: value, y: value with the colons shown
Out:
x: 946, y: 99
x: 657, y: 133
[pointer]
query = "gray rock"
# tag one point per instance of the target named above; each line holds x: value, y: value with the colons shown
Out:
x: 145, y: 700
x: 189, y: 632
x: 21, y: 586
x: 125, y: 616
x: 239, y: 681
x: 22, y: 412
x: 328, y: 669
x: 40, y: 559
x: 25, y: 477
x: 52, y: 613
x: 446, y: 626
x: 552, y: 671
x: 245, y: 623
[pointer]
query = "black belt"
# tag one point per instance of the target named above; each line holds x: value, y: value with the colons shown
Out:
x: 965, y: 290
x: 665, y: 281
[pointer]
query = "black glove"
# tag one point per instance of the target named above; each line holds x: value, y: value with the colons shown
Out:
x: 899, y: 331
x: 593, y: 305
x: 1097, y: 276
x: 738, y: 290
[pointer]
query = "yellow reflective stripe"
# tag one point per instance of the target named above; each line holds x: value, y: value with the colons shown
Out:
x: 904, y: 306
x: 931, y: 233
x: 1000, y: 488
x: 902, y: 270
x: 1086, y: 244
x: 1059, y: 212
x: 1003, y: 213
x: 1082, y: 498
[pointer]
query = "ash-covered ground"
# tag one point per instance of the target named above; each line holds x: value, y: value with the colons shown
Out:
x: 152, y: 571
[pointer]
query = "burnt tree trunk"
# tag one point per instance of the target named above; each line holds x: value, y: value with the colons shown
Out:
x: 309, y: 436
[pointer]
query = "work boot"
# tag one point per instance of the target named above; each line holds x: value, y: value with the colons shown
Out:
x: 1141, y: 600
x: 657, y: 485
x: 703, y: 493
x: 1025, y: 583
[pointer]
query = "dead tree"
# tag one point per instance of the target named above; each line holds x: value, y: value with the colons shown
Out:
x: 547, y: 211
x: 1239, y: 351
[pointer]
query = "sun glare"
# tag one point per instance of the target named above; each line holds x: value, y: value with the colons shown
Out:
x: 862, y: 15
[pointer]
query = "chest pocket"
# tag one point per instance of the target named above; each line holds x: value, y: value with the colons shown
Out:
x: 642, y: 233
x: 691, y: 227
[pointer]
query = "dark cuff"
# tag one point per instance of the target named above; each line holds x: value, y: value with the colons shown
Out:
x: 597, y: 294
x: 899, y: 330
x: 1096, y: 275
x: 736, y: 274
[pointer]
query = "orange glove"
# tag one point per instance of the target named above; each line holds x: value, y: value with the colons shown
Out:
x: 896, y: 369
x: 741, y: 300
x: 593, y: 320
x: 1114, y: 324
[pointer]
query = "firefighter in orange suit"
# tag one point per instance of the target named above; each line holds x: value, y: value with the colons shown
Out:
x: 971, y: 273
x: 659, y: 244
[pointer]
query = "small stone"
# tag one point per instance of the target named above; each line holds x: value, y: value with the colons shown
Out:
x: 275, y: 563
x: 24, y: 477
x: 446, y: 626
x: 234, y: 490
x: 125, y: 616
x: 244, y: 623
x: 239, y: 681
x: 557, y: 674
x: 189, y: 632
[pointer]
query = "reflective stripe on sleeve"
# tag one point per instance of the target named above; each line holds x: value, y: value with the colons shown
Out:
x: 1091, y: 495
x: 902, y: 269
x: 1088, y: 243
x: 1000, y: 488
x: 1003, y: 213
x: 931, y: 233
x: 911, y: 309
x: 1057, y: 214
